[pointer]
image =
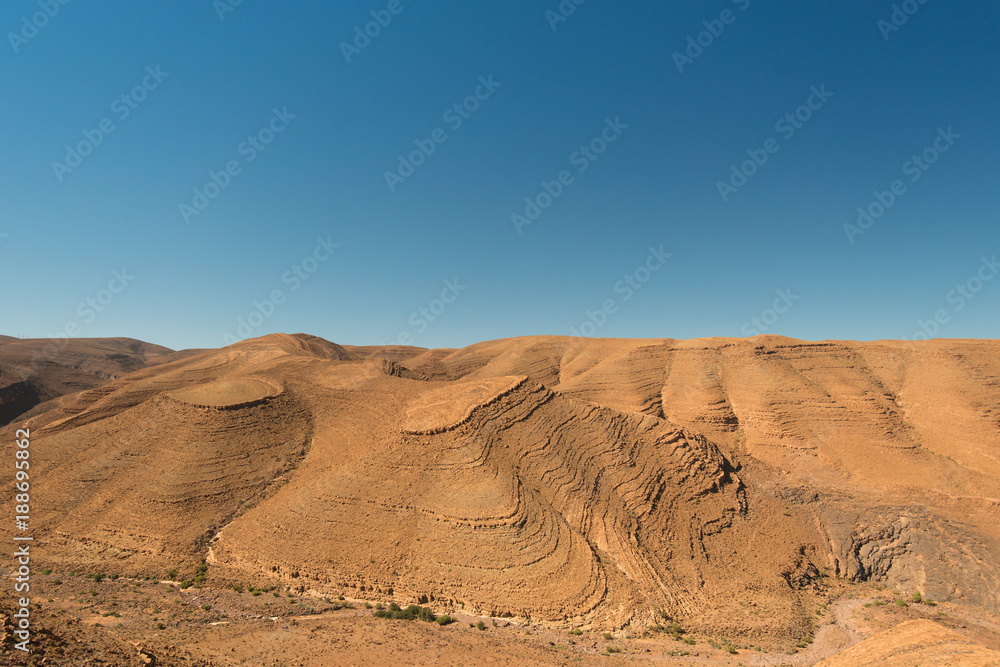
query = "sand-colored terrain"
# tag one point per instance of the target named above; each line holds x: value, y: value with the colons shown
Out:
x: 737, y: 488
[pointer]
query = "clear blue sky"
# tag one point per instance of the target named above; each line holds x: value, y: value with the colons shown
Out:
x: 267, y: 90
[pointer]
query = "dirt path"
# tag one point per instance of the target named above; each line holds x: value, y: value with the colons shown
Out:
x: 837, y: 633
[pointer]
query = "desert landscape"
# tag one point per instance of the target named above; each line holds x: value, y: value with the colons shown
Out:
x: 548, y: 500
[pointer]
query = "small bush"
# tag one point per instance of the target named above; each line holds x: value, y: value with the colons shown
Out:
x: 613, y: 649
x: 917, y: 598
x: 160, y: 626
x: 901, y: 603
x: 445, y: 619
x: 171, y: 574
x: 57, y: 582
x: 608, y: 636
x: 206, y: 607
x: 185, y: 584
x: 237, y: 588
x: 47, y: 571
x: 576, y: 632
x: 410, y: 613
x: 480, y: 625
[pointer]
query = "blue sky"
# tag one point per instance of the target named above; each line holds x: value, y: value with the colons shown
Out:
x: 623, y: 123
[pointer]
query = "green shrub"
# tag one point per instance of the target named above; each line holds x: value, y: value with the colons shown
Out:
x: 412, y: 612
x: 917, y: 598
x: 608, y: 636
x: 480, y: 625
x: 445, y: 619
x: 185, y: 584
x: 47, y: 571
x: 206, y: 607
x: 171, y: 574
x: 576, y: 631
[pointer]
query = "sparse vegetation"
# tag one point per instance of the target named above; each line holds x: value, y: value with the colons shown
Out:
x: 411, y: 613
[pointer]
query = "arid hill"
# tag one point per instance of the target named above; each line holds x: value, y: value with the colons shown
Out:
x: 33, y: 371
x: 722, y: 484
